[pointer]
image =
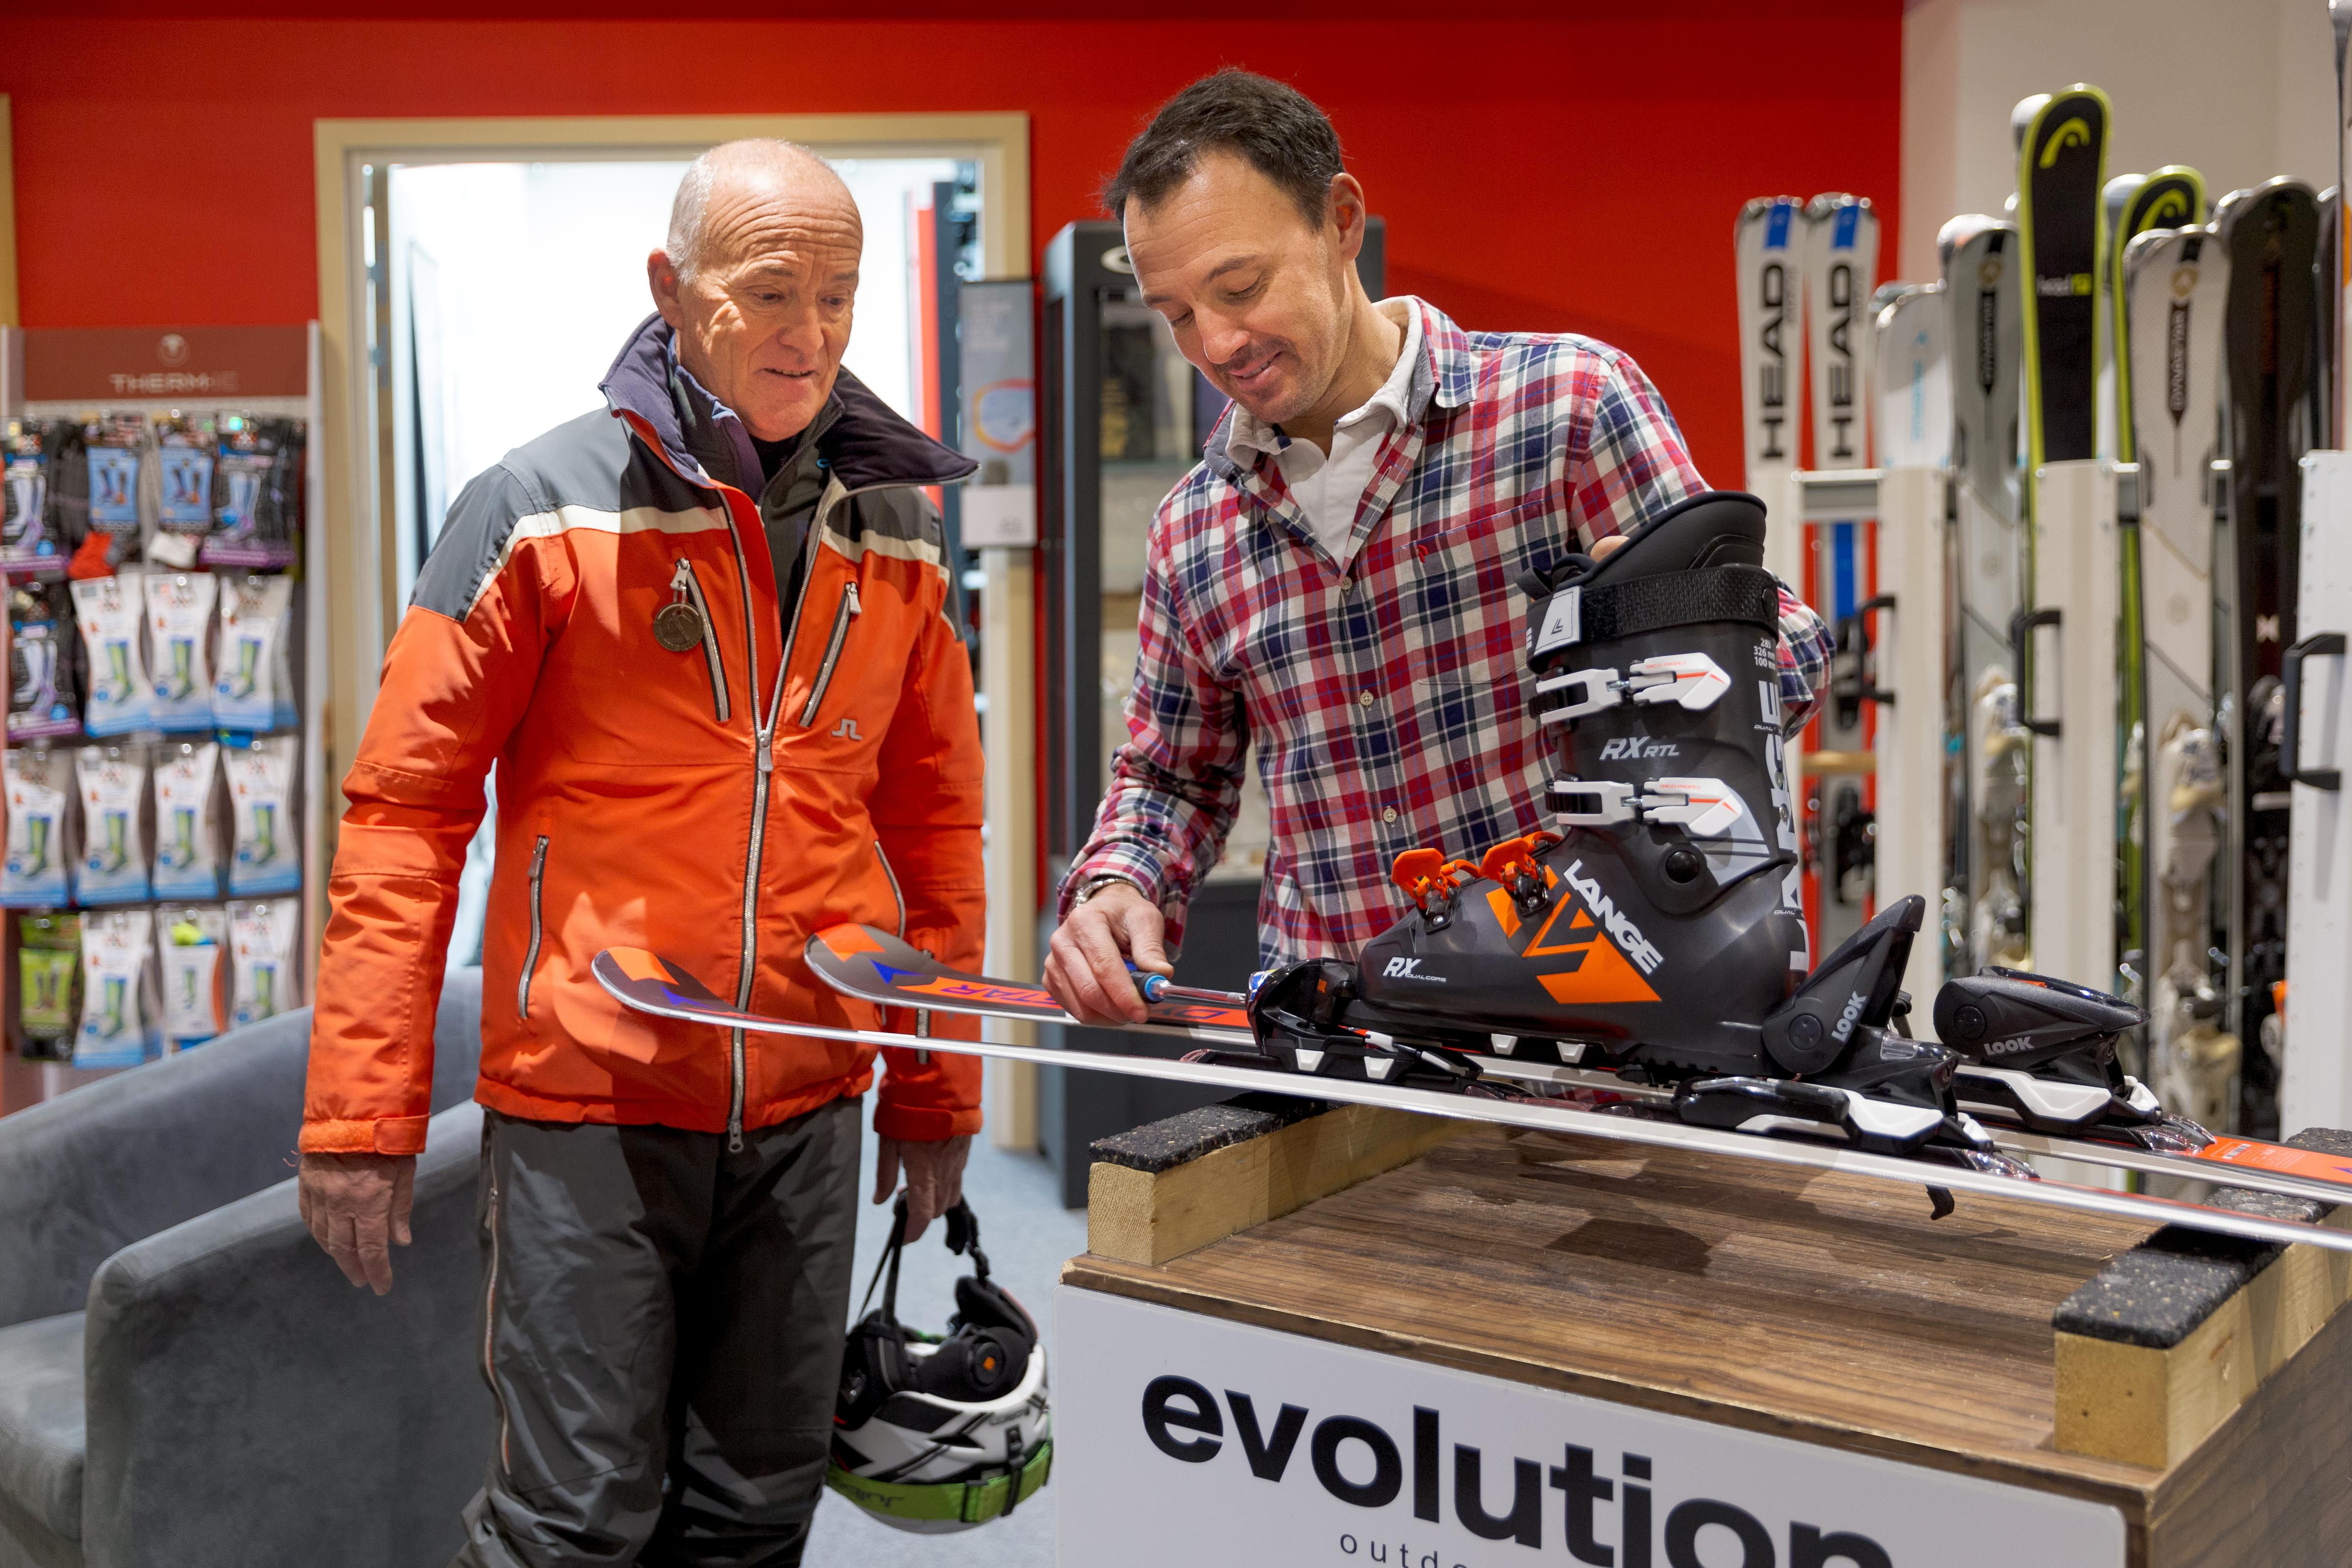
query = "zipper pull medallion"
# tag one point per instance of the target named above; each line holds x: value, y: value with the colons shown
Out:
x: 678, y: 625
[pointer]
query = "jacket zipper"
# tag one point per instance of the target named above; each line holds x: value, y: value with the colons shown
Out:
x: 531, y: 957
x: 684, y: 580
x: 491, y: 1332
x: 842, y: 617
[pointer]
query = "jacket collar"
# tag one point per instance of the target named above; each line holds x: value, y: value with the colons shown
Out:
x: 861, y: 438
x: 1445, y: 378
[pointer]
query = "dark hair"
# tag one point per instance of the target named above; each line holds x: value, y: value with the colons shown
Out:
x: 1273, y: 125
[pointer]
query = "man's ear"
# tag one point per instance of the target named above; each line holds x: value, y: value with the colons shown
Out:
x: 1347, y: 207
x: 662, y: 278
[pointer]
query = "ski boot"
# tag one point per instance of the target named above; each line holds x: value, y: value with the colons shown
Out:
x: 1659, y: 935
x: 2041, y: 1054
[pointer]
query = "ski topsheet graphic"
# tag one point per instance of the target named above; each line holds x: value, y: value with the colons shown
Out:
x: 2272, y: 236
x: 646, y: 983
x: 2062, y: 164
x: 1841, y: 271
x: 1912, y: 344
x: 1769, y: 250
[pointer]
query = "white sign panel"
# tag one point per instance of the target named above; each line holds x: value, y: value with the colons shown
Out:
x: 1181, y: 1440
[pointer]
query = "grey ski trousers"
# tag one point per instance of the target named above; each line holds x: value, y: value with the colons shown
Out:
x: 662, y: 1330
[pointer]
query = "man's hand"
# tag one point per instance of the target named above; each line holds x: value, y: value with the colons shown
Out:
x: 934, y: 1177
x: 1603, y: 549
x: 1086, y: 968
x: 357, y: 1207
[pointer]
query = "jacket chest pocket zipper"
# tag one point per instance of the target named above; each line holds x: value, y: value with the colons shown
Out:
x: 531, y: 956
x: 685, y: 583
x: 847, y: 613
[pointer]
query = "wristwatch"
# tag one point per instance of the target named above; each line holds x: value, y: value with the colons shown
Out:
x: 1096, y: 884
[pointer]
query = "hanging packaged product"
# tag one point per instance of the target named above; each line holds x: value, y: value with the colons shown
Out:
x: 254, y: 689
x: 108, y: 610
x: 179, y: 645
x: 113, y: 445
x: 187, y: 821
x: 114, y: 782
x: 183, y: 509
x: 41, y: 793
x: 195, y: 940
x: 257, y: 492
x: 118, y: 1005
x: 42, y: 649
x: 265, y: 855
x: 48, y: 984
x: 263, y: 937
x: 28, y: 532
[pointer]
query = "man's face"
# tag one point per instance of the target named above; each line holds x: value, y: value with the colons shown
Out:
x: 764, y: 323
x: 1256, y: 296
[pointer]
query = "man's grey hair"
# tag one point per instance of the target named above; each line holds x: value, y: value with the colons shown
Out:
x: 688, y: 209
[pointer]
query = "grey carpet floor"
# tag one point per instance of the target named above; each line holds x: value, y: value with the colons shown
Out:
x: 1027, y: 1233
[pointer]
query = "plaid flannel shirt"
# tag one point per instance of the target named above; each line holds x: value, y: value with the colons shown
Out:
x: 1385, y: 701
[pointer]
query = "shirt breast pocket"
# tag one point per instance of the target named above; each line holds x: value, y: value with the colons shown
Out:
x: 1491, y: 539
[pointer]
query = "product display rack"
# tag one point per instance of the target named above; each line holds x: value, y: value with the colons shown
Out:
x: 197, y: 375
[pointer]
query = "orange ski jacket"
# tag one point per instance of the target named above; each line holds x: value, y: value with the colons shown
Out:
x: 790, y: 768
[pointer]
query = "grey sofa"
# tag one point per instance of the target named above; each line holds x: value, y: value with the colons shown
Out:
x: 186, y: 1379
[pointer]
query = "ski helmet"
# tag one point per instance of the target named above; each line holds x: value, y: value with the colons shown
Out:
x: 938, y: 1432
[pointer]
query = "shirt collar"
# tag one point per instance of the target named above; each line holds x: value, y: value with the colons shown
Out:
x: 1250, y: 434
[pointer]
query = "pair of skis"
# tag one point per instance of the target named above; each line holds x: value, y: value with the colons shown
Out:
x: 872, y: 965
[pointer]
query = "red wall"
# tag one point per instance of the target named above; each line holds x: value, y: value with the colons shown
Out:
x: 1561, y: 168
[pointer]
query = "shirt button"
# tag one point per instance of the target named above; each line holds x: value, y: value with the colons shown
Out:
x: 1364, y: 700
x: 1389, y: 815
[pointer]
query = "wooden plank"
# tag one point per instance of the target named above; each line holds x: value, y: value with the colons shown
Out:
x: 1158, y: 1206
x: 1811, y: 1306
x: 2159, y: 1347
x: 2273, y: 1486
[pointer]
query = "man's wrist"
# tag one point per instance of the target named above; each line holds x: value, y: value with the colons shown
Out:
x: 1097, y: 882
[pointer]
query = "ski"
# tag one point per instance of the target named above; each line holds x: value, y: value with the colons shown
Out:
x: 1983, y: 290
x: 872, y: 965
x: 646, y: 983
x: 1769, y: 247
x: 1911, y: 344
x: 2175, y: 285
x: 2271, y: 235
x: 1837, y: 793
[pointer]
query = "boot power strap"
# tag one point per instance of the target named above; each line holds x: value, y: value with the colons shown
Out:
x: 1577, y: 613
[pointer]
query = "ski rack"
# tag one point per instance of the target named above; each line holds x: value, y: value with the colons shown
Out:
x: 2317, y: 1080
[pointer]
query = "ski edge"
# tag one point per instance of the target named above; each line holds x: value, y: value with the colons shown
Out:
x: 624, y: 974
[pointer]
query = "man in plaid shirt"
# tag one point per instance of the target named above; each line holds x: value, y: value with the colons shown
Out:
x: 1337, y: 582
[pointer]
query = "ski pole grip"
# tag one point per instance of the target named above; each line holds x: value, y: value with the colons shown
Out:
x: 2020, y: 645
x: 2322, y: 645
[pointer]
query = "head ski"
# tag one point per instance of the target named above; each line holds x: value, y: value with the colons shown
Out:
x: 2061, y: 161
x: 1836, y: 790
x: 1769, y: 248
x: 2272, y: 236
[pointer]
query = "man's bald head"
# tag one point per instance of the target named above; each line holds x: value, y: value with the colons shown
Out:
x: 759, y: 276
x: 752, y: 168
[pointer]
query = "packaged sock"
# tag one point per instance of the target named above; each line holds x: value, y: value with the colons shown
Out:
x: 42, y: 659
x: 184, y: 512
x: 266, y: 853
x: 26, y: 539
x: 253, y: 687
x: 263, y: 939
x: 193, y: 941
x: 188, y: 858
x: 41, y: 792
x: 113, y: 447
x: 114, y: 783
x: 48, y: 982
x: 108, y: 611
x: 118, y: 1002
x: 256, y: 490
x: 179, y: 643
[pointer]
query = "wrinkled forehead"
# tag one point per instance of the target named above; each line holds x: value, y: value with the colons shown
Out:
x: 800, y: 221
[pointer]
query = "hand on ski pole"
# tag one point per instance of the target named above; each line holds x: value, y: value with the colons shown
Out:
x: 357, y: 1207
x: 934, y: 1177
x: 1087, y: 969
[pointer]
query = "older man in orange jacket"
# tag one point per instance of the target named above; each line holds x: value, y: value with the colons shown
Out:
x: 704, y: 637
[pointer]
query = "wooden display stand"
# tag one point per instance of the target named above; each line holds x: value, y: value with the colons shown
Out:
x: 2010, y: 1384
